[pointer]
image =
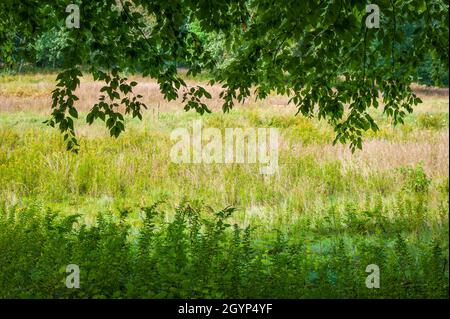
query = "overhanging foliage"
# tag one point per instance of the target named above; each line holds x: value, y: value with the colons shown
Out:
x: 318, y: 52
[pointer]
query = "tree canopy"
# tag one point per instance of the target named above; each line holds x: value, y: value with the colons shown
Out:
x: 320, y: 53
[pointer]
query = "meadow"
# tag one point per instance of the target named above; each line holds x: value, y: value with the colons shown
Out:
x: 141, y: 226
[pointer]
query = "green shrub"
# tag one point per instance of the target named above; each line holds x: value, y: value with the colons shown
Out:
x: 434, y: 121
x: 416, y: 180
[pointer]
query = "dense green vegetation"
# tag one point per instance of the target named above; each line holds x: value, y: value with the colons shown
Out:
x: 196, y: 257
x: 50, y: 50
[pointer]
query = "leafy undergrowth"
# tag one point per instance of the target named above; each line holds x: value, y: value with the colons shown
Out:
x: 197, y: 255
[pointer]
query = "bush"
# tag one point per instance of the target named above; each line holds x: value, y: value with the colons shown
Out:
x: 416, y: 180
x: 434, y: 121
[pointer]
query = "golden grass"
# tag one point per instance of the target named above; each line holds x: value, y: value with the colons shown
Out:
x: 381, y: 154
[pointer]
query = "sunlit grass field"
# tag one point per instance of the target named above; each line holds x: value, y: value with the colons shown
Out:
x: 311, y: 229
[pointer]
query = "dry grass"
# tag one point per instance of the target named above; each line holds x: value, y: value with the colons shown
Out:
x: 380, y: 154
x: 33, y: 93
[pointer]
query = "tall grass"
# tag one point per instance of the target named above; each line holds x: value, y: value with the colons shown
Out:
x: 136, y: 168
